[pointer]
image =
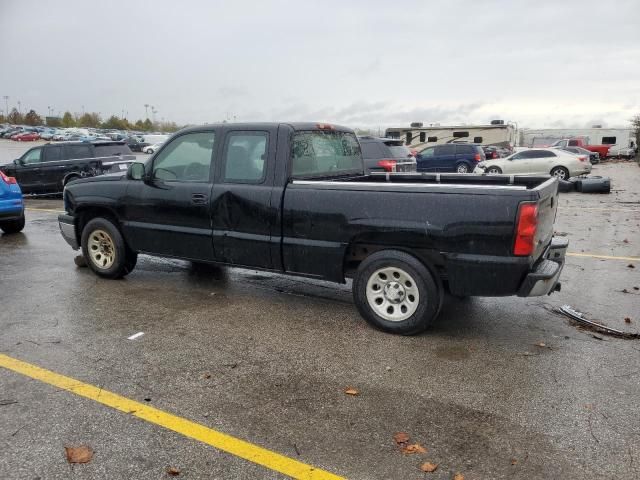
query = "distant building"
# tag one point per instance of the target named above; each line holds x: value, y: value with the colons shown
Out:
x: 419, y: 137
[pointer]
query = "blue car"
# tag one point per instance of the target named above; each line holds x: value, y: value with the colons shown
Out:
x: 11, y: 205
x: 450, y: 157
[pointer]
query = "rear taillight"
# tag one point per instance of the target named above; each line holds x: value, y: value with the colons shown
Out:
x: 388, y: 165
x: 477, y: 157
x: 8, y: 180
x: 494, y: 154
x: 526, y: 229
x: 582, y: 158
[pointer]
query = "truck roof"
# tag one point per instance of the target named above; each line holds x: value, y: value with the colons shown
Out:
x: 298, y: 126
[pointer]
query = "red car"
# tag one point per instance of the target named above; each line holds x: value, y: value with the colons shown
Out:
x: 26, y: 137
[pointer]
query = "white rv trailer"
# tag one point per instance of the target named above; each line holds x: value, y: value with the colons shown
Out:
x: 618, y: 138
x: 500, y: 135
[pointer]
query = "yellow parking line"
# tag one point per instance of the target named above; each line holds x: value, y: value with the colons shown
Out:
x: 605, y: 257
x: 43, y: 210
x: 209, y: 436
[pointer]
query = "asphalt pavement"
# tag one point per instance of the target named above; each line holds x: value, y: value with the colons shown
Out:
x: 496, y: 388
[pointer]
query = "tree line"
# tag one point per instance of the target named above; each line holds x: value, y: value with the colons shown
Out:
x: 87, y: 120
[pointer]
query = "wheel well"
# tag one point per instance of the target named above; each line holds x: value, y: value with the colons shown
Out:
x: 87, y: 214
x: 69, y: 177
x: 356, y: 252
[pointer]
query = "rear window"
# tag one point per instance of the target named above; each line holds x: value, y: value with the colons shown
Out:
x: 399, y: 151
x: 78, y: 151
x: 325, y: 153
x: 111, y: 150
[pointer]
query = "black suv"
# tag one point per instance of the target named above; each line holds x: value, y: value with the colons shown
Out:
x: 386, y: 155
x: 48, y: 168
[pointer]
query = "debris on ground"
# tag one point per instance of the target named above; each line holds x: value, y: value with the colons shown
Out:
x: 81, y: 454
x: 173, y: 471
x: 351, y: 391
x: 7, y: 402
x: 458, y: 476
x: 627, y: 320
x: 429, y: 467
x: 599, y: 327
x: 413, y: 448
x: 631, y: 265
x: 401, y: 438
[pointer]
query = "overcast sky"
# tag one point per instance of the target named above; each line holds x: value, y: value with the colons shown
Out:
x: 359, y: 63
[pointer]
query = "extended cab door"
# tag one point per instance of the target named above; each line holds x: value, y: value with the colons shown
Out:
x: 55, y: 166
x: 242, y: 213
x: 169, y: 213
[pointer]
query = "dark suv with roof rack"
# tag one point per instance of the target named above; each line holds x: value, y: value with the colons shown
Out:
x: 48, y: 168
x: 451, y: 157
x: 386, y: 155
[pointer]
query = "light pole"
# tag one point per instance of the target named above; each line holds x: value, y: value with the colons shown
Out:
x: 19, y: 107
x: 146, y: 110
x: 6, y: 103
x: 83, y: 110
x: 153, y: 113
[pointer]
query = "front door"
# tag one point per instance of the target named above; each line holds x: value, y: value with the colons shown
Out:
x: 169, y: 214
x: 28, y: 171
x: 242, y: 213
x: 445, y: 158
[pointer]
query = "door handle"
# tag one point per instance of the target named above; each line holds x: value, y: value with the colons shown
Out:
x: 198, y: 198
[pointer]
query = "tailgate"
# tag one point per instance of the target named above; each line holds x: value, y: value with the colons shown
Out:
x: 547, y: 208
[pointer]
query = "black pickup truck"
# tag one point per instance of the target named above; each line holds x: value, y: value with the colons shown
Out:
x: 48, y: 168
x: 293, y: 198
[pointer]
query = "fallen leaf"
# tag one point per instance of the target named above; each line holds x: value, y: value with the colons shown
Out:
x: 514, y: 461
x: 627, y: 320
x: 173, y: 471
x: 82, y: 454
x: 631, y: 265
x: 207, y: 375
x: 429, y: 467
x: 401, y: 438
x: 636, y: 288
x: 625, y: 240
x: 541, y: 344
x: 588, y: 406
x: 414, y: 448
x: 352, y: 391
x: 458, y: 476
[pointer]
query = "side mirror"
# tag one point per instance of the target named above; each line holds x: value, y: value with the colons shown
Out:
x: 136, y: 171
x: 18, y: 161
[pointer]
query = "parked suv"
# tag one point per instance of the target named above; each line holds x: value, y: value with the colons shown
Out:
x: 48, y: 168
x: 451, y: 157
x: 386, y: 155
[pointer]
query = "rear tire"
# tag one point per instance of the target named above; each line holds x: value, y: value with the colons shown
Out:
x: 13, y: 226
x: 462, y: 168
x: 560, y: 173
x: 396, y: 293
x: 105, y: 250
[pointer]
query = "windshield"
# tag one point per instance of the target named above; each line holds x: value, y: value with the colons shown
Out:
x: 321, y: 153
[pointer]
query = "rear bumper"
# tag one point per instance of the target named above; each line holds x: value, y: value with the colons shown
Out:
x: 11, y: 208
x: 496, y: 276
x: 68, y: 230
x: 544, y: 279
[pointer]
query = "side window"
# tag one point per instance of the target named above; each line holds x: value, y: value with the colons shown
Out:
x: 428, y: 152
x: 53, y: 154
x: 573, y: 143
x: 186, y: 158
x: 78, y: 151
x: 477, y: 139
x: 608, y: 140
x: 33, y: 156
x: 544, y: 154
x: 465, y: 150
x: 409, y: 138
x: 524, y: 155
x: 245, y: 157
x: 423, y: 137
x: 445, y: 150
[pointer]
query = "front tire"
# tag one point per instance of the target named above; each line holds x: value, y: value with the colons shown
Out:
x: 105, y: 251
x: 560, y: 172
x: 462, y: 168
x: 13, y: 226
x: 494, y: 170
x: 396, y: 293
